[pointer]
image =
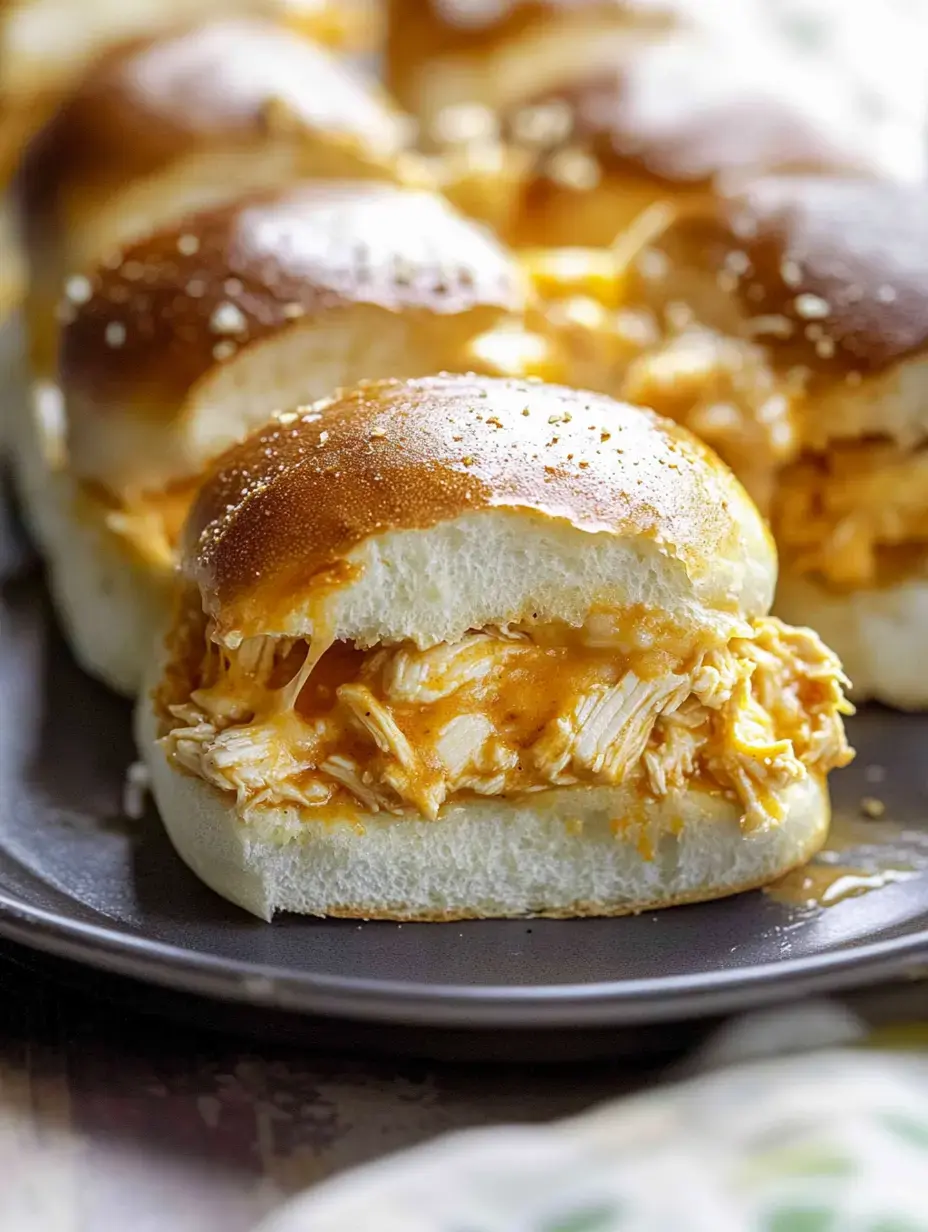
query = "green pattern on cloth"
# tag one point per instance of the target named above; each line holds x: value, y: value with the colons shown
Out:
x: 828, y: 1141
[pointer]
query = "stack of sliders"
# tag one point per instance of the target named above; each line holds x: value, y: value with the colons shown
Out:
x: 47, y: 45
x: 440, y: 647
x: 791, y: 331
x: 462, y: 647
x: 195, y: 334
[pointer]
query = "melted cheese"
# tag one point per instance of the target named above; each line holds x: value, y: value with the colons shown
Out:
x: 150, y: 525
x: 852, y: 514
x: 725, y: 391
x: 506, y: 712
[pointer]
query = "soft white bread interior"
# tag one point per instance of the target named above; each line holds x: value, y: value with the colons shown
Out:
x: 471, y: 502
x: 112, y: 604
x: 198, y: 332
x: 460, y: 647
x: 878, y: 633
x: 197, y: 335
x: 556, y: 853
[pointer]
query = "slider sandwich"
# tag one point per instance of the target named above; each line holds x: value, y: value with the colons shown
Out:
x: 583, y: 159
x: 792, y: 335
x: 180, y: 123
x: 194, y: 335
x: 159, y: 129
x: 461, y: 647
x: 442, y: 54
x: 46, y: 47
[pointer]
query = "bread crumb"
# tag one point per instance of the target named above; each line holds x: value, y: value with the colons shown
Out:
x: 812, y: 307
x: 872, y: 808
x: 136, y: 787
x: 78, y: 289
x: 228, y: 319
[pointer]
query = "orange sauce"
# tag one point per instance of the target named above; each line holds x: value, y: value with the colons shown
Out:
x: 860, y: 857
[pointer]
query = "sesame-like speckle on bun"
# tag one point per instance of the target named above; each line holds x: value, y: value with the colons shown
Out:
x: 181, y: 300
x: 847, y: 257
x: 182, y: 123
x: 674, y: 122
x: 829, y: 273
x: 576, y: 500
x: 199, y: 331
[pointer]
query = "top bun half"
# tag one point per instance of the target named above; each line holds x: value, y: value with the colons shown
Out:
x: 830, y: 275
x: 46, y: 46
x: 421, y: 509
x: 199, y: 331
x: 442, y: 53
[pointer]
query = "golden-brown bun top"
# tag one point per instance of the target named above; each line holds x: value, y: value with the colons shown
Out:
x: 831, y: 273
x: 463, y: 23
x: 46, y: 44
x: 281, y: 513
x: 687, y: 112
x: 237, y: 81
x: 178, y: 304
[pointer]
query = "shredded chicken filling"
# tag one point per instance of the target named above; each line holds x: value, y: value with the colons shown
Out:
x: 854, y: 515
x: 850, y: 515
x: 504, y: 712
x: 150, y: 524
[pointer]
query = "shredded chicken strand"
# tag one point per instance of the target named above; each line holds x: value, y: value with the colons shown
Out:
x: 747, y: 719
x: 838, y: 513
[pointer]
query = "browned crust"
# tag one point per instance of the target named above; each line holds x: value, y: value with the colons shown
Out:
x: 189, y: 298
x: 648, y: 120
x: 838, y: 268
x: 154, y: 101
x: 281, y: 512
x: 440, y: 26
x: 422, y: 31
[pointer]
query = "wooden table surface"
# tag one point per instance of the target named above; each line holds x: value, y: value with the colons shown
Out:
x: 112, y: 1118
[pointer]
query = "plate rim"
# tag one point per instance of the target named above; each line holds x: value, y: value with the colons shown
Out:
x: 614, y: 1003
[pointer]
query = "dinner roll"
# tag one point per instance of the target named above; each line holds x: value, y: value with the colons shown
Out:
x: 460, y: 647
x: 671, y: 125
x: 793, y: 323
x: 444, y: 53
x: 45, y: 45
x: 190, y: 120
x: 199, y: 331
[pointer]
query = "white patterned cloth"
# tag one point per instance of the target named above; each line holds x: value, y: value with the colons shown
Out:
x: 827, y: 1141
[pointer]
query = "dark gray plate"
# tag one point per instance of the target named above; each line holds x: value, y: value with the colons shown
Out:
x: 80, y: 881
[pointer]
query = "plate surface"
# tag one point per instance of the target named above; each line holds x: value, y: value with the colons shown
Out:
x: 80, y: 880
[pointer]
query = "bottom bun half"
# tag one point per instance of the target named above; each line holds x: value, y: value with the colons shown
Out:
x: 112, y: 605
x: 879, y: 635
x: 567, y: 852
